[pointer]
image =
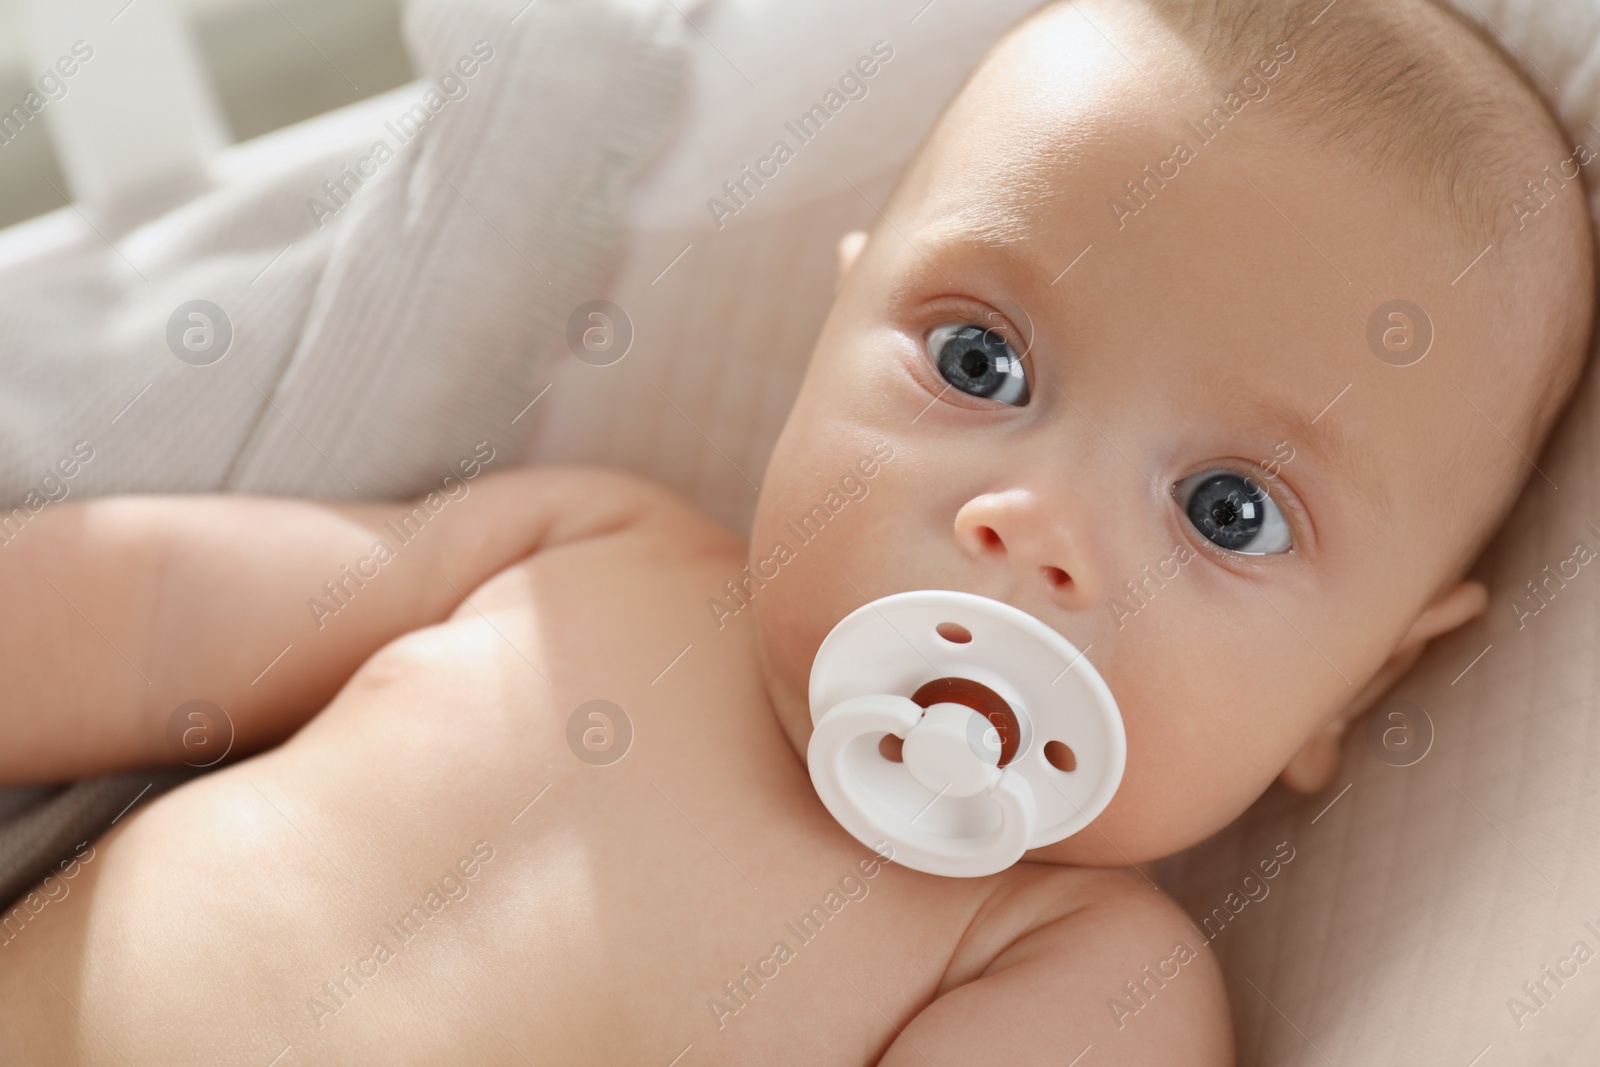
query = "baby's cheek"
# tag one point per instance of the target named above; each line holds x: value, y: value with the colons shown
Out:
x: 1205, y: 738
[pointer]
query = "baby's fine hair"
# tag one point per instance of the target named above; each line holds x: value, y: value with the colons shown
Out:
x: 1406, y: 85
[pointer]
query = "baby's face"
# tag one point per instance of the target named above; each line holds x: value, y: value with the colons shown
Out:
x: 1166, y: 436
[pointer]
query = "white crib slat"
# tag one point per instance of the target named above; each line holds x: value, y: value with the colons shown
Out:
x: 136, y: 117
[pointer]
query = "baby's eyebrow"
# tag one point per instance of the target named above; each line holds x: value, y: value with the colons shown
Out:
x: 1322, y: 437
x: 985, y: 224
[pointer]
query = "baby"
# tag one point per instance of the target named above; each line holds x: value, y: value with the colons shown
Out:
x: 1216, y: 337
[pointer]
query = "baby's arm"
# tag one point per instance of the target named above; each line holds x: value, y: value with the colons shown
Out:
x: 120, y: 609
x: 1036, y: 986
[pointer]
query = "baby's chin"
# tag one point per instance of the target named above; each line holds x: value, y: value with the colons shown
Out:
x: 1141, y: 825
x: 1092, y: 847
x: 787, y: 680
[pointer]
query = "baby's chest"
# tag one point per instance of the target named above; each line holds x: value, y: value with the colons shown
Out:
x: 663, y: 874
x: 695, y: 933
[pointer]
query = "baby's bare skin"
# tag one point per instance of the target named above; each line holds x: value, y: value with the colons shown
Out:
x: 600, y: 922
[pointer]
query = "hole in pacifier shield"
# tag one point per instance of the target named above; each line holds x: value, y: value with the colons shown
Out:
x: 599, y: 333
x: 199, y: 333
x: 599, y: 733
x: 1399, y: 732
x: 1059, y: 755
x: 1400, y: 333
x: 199, y: 733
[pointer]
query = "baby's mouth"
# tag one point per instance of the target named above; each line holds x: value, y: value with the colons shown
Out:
x: 960, y: 731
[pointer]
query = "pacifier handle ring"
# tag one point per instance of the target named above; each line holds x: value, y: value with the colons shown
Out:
x: 914, y: 847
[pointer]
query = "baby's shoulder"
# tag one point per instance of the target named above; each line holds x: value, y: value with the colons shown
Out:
x: 1108, y: 946
x: 562, y: 504
x: 1122, y: 903
x: 603, y: 488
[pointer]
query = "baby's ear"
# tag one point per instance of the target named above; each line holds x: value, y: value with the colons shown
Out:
x: 1312, y: 769
x: 850, y: 246
x: 1452, y: 610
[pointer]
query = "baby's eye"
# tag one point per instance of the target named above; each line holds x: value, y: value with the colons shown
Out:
x: 1234, y: 513
x: 979, y: 362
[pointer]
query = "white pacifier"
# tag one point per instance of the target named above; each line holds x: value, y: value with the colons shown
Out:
x: 959, y: 730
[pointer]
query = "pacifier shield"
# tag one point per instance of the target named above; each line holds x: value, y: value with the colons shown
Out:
x: 1045, y: 740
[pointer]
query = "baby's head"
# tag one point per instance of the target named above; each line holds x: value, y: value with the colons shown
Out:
x: 1129, y: 325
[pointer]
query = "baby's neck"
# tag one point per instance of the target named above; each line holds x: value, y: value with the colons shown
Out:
x: 788, y: 704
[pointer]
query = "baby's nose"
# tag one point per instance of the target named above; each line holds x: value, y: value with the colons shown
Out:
x: 1017, y: 529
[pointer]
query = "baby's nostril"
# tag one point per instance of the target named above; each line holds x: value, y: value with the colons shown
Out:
x: 1056, y: 577
x: 989, y: 539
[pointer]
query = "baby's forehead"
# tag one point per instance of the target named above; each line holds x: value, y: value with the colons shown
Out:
x: 1055, y: 110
